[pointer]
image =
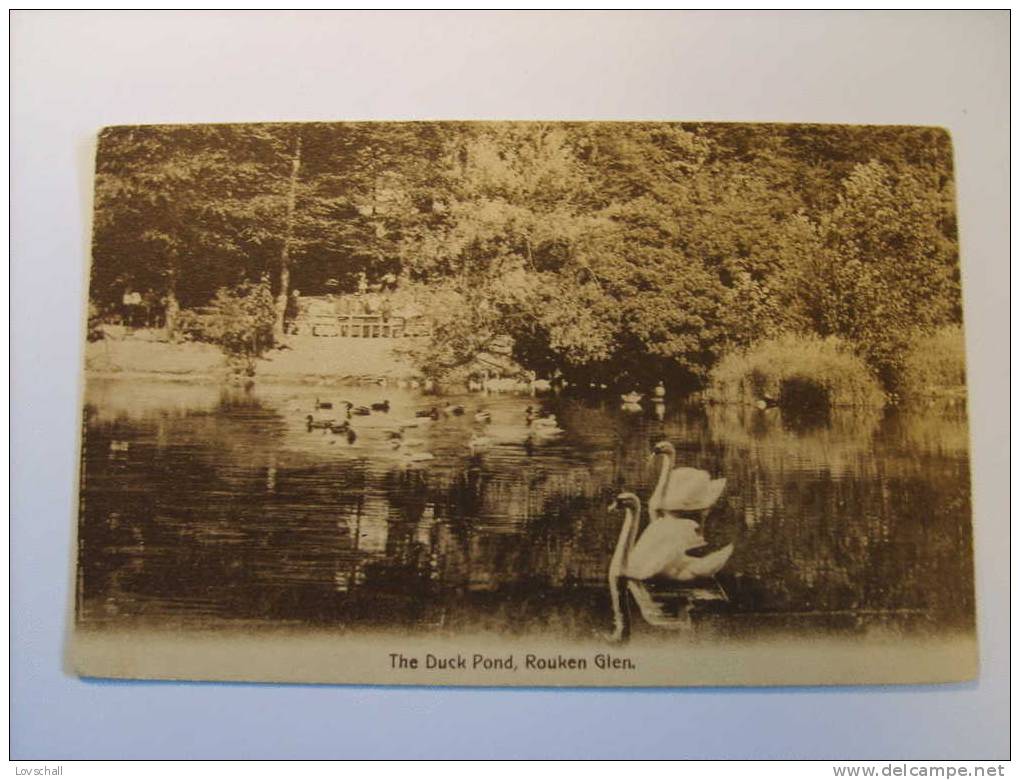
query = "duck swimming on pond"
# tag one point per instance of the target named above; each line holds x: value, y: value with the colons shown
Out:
x: 433, y: 413
x: 323, y: 404
x: 480, y: 442
x: 401, y: 447
x: 344, y: 429
x: 401, y: 442
x: 483, y: 416
x: 383, y: 406
x: 321, y: 423
x: 539, y: 416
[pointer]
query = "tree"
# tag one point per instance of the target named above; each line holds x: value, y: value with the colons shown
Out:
x: 623, y: 252
x: 241, y: 322
x: 507, y: 245
x: 177, y: 207
x: 884, y: 269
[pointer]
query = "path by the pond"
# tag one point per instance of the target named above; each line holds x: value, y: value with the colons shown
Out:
x: 304, y: 358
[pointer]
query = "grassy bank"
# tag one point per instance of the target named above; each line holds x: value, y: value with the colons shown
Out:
x: 799, y: 372
x: 303, y: 358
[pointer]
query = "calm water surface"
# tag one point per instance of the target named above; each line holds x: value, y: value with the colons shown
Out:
x: 209, y: 508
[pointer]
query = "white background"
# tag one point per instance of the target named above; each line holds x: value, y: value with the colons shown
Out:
x: 73, y: 73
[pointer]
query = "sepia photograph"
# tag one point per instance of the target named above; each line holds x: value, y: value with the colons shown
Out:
x: 525, y: 403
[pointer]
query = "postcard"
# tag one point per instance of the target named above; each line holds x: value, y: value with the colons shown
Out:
x: 525, y: 404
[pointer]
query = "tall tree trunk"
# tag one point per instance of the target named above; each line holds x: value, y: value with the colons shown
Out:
x: 172, y: 306
x: 288, y: 237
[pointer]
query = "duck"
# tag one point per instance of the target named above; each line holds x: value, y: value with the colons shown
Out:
x: 532, y: 416
x: 543, y: 429
x: 483, y: 416
x: 546, y: 422
x: 383, y: 406
x: 400, y: 446
x: 455, y: 410
x: 681, y: 489
x: 321, y: 423
x: 323, y: 404
x: 345, y: 429
x: 631, y: 398
x: 479, y: 442
x: 363, y: 411
x: 433, y: 413
x: 398, y: 436
x: 400, y: 441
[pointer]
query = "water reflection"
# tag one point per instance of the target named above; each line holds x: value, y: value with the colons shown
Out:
x: 206, y: 508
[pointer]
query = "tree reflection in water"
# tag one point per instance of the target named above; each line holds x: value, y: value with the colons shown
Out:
x: 213, y: 511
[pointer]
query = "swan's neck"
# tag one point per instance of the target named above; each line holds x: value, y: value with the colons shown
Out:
x: 660, y: 487
x: 625, y: 543
x: 621, y: 608
x: 617, y: 572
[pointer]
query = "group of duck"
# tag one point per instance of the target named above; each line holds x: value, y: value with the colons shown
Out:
x: 337, y: 419
x: 631, y: 402
x: 328, y: 422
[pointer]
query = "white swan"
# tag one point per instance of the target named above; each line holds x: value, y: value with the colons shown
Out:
x: 661, y: 551
x: 681, y: 489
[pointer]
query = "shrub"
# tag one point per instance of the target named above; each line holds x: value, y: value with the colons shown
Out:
x: 240, y: 321
x: 935, y: 366
x: 806, y: 373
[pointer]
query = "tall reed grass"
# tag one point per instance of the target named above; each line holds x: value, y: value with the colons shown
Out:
x: 796, y: 371
x: 935, y: 368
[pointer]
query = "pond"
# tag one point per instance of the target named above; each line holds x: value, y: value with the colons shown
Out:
x: 211, y: 508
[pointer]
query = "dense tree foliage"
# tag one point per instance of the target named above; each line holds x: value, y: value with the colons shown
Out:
x: 610, y: 252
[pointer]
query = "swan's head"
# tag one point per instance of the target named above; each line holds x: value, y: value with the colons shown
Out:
x: 626, y: 501
x: 664, y: 448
